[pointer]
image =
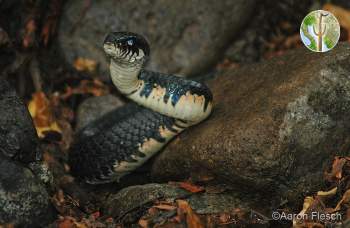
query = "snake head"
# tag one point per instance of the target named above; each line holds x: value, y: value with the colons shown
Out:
x: 126, y: 47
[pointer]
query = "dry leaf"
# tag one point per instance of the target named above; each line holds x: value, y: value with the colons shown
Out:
x: 95, y: 87
x: 165, y: 207
x: 96, y: 215
x: 67, y: 222
x: 109, y: 219
x: 84, y: 64
x: 80, y: 225
x: 307, y: 203
x: 192, y: 219
x: 224, y: 218
x: 337, y: 167
x: 143, y: 223
x: 327, y: 194
x: 347, y: 214
x: 226, y: 64
x: 7, y: 225
x: 345, y: 200
x: 60, y: 196
x: 152, y: 211
x: 191, y: 187
x: 29, y: 32
x: 45, y: 33
x: 176, y: 218
x: 40, y: 110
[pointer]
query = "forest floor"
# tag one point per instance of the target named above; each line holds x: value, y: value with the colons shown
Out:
x: 53, y: 93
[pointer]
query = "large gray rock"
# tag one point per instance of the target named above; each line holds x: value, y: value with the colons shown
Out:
x: 23, y: 200
x: 18, y: 137
x: 95, y: 107
x: 186, y: 36
x: 275, y: 126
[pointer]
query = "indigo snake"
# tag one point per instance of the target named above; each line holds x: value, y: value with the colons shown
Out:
x: 164, y: 105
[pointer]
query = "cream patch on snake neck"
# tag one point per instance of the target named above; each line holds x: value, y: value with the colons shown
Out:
x: 190, y: 107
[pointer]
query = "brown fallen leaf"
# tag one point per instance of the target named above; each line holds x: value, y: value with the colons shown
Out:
x: 165, y: 207
x: 7, y: 225
x: 327, y: 194
x: 308, y: 201
x: 176, y: 219
x: 96, y: 215
x: 292, y: 41
x: 192, y: 219
x: 152, y: 211
x: 29, y: 33
x: 46, y: 32
x: 95, y: 87
x: 85, y: 64
x: 81, y: 225
x: 191, y: 187
x: 337, y: 167
x: 51, y: 20
x: 143, y: 223
x: 224, y: 218
x: 345, y: 200
x: 226, y: 64
x: 109, y: 220
x: 347, y: 214
x: 67, y: 222
x: 40, y: 109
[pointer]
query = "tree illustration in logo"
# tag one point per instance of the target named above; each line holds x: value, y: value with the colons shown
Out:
x: 320, y: 31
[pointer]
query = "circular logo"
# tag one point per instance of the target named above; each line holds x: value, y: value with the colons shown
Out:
x: 320, y: 31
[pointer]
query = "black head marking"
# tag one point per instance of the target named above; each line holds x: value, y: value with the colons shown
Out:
x: 128, y: 42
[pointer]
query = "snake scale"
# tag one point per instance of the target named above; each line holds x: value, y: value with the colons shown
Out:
x: 164, y: 105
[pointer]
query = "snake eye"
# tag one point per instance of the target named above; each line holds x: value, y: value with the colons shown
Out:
x: 130, y: 42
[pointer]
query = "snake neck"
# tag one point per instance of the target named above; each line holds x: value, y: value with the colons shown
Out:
x: 125, y: 76
x: 169, y: 95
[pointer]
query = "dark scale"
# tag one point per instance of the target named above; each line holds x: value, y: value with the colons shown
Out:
x: 119, y: 135
x: 175, y: 87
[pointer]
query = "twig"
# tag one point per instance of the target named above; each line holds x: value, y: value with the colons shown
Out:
x: 35, y: 73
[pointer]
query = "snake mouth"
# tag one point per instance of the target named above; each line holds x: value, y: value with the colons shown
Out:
x: 126, y: 47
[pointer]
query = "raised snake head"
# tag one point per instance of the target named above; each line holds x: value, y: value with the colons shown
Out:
x: 126, y: 47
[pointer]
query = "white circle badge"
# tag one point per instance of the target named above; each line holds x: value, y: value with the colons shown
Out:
x: 320, y: 31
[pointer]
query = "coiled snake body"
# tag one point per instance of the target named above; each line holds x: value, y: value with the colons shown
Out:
x: 124, y: 139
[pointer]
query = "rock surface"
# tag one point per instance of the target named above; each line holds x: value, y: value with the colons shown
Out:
x: 275, y: 126
x: 23, y: 200
x: 18, y: 138
x: 186, y: 37
x: 95, y: 107
x: 131, y: 202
